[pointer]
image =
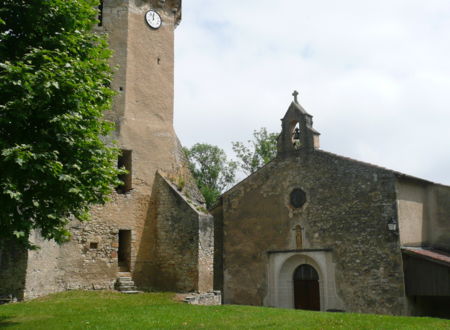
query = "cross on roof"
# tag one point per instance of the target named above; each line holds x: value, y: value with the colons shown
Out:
x: 295, y: 94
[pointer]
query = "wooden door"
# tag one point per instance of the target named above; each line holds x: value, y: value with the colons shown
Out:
x: 306, y: 288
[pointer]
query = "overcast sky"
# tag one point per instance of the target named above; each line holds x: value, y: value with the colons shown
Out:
x: 374, y: 74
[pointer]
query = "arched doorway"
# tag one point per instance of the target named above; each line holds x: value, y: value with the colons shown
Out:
x: 306, y: 288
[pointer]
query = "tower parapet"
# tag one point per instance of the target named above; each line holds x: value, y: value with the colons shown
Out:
x: 170, y: 6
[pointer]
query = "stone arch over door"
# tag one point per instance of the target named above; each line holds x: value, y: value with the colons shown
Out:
x: 281, y: 268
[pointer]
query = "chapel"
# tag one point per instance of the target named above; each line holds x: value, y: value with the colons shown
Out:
x: 318, y: 231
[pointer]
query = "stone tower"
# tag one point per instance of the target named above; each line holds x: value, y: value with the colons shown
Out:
x: 143, y: 108
x: 155, y: 228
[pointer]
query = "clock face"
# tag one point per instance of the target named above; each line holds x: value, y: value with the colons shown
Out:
x: 153, y: 19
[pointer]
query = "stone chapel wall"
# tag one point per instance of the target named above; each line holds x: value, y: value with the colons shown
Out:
x: 348, y: 206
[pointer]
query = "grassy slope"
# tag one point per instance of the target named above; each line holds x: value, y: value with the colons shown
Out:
x: 111, y: 310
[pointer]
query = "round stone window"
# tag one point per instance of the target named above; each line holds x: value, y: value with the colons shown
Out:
x: 298, y: 198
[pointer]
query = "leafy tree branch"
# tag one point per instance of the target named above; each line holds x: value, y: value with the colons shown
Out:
x: 257, y: 152
x: 211, y: 170
x: 54, y: 88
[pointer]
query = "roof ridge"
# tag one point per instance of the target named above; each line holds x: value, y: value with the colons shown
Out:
x: 397, y: 173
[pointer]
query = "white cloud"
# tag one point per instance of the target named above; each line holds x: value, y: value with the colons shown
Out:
x: 375, y: 75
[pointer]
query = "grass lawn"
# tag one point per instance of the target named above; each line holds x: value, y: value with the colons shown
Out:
x: 111, y: 310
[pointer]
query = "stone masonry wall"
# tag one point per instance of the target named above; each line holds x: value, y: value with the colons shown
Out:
x: 43, y: 275
x: 204, y: 299
x: 348, y: 206
x: 88, y: 261
x: 180, y: 230
x: 205, y: 253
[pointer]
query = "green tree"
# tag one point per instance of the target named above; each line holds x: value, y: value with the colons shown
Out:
x: 211, y: 170
x: 54, y: 78
x: 258, y: 152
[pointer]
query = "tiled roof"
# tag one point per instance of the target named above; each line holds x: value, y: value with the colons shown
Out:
x: 396, y: 173
x: 429, y: 254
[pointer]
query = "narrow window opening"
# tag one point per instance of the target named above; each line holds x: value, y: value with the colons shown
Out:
x: 124, y: 253
x: 158, y: 60
x: 295, y: 135
x: 100, y: 13
x: 125, y: 162
x: 93, y: 245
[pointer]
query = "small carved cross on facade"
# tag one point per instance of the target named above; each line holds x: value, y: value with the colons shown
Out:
x: 295, y: 95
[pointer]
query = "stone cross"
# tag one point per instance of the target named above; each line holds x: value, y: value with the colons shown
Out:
x: 295, y: 94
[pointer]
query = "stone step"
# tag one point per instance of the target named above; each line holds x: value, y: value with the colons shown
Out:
x: 125, y: 284
x: 124, y: 274
x: 130, y: 292
x: 124, y: 279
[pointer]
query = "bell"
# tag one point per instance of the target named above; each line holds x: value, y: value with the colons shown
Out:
x: 296, y: 134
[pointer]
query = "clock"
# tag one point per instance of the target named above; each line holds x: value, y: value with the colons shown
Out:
x: 153, y: 19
